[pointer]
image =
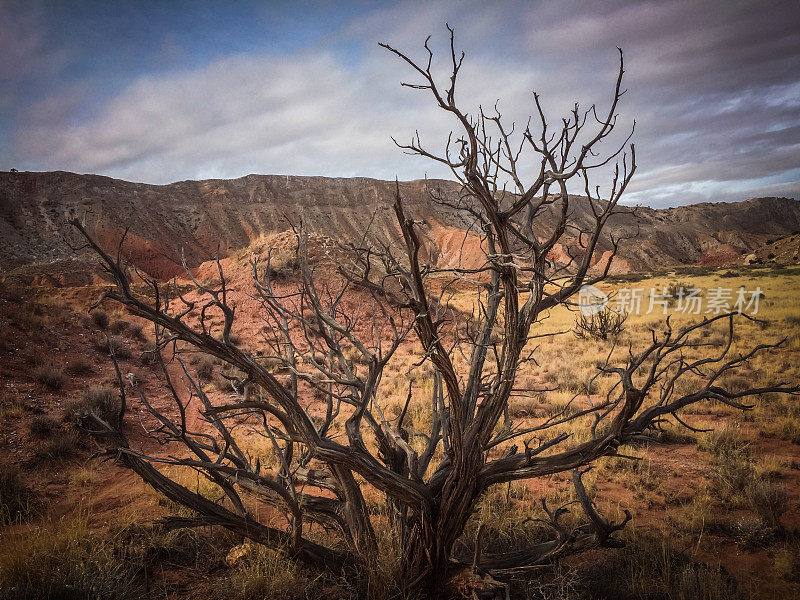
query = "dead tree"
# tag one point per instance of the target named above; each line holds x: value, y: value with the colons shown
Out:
x: 316, y: 398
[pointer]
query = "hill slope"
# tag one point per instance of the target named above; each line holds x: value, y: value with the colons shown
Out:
x: 199, y: 218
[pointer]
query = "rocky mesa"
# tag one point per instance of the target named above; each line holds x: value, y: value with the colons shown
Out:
x: 198, y: 219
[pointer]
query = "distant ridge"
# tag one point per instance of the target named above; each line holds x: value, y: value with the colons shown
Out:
x: 199, y: 218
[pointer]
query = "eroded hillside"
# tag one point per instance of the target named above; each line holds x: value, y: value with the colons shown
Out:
x: 197, y: 219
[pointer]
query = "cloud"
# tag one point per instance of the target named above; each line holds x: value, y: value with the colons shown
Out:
x: 714, y: 87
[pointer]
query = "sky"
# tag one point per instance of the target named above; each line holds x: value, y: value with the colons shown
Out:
x: 165, y: 91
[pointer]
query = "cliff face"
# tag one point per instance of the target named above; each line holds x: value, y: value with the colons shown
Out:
x: 200, y: 218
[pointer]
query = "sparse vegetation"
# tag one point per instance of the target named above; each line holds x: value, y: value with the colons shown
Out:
x: 115, y: 344
x: 123, y: 327
x: 100, y: 318
x: 17, y: 501
x: 79, y: 366
x: 769, y: 500
x: 648, y: 568
x: 100, y: 401
x: 205, y: 369
x: 50, y: 376
x: 602, y: 325
x: 43, y: 425
x: 149, y: 355
x: 62, y: 444
x: 261, y: 572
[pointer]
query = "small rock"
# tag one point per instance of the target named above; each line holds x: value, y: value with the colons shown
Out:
x: 237, y: 553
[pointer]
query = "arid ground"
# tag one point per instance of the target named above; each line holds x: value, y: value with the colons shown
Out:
x: 715, y: 513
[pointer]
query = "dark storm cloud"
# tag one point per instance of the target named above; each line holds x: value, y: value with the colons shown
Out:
x: 714, y: 88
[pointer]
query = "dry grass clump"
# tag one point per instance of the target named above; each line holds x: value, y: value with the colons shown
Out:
x: 132, y: 330
x: 731, y: 473
x: 780, y: 419
x: 43, y: 425
x: 769, y: 501
x: 115, y: 344
x: 149, y: 545
x: 50, y: 376
x: 672, y: 435
x: 65, y: 560
x: 648, y: 568
x: 786, y: 561
x: 205, y: 368
x: 262, y: 572
x: 234, y: 339
x: 101, y: 401
x: 723, y: 441
x: 149, y: 356
x: 100, y: 318
x: 17, y: 501
x: 62, y: 444
x: 525, y: 406
x: 505, y: 511
x: 79, y: 366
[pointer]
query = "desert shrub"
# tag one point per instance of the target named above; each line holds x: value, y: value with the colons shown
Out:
x: 115, y: 344
x: 119, y: 326
x: 731, y: 468
x: 676, y: 289
x: 79, y: 366
x: 122, y: 327
x: 281, y: 268
x: 750, y: 533
x: 233, y: 338
x: 149, y: 355
x: 62, y: 560
x: 100, y: 318
x: 50, y: 376
x: 37, y: 358
x: 271, y: 363
x: 769, y: 501
x: 59, y: 446
x: 205, y: 368
x: 731, y: 474
x: 43, y: 425
x: 222, y: 383
x: 601, y: 325
x: 100, y: 401
x: 672, y: 436
x: 17, y: 501
x: 786, y: 561
x: 525, y: 406
x: 737, y: 383
x: 785, y: 427
x: 135, y: 331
